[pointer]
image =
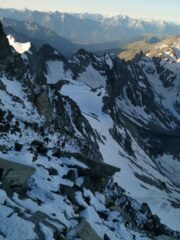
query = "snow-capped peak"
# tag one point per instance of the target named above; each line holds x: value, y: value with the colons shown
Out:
x: 19, y: 47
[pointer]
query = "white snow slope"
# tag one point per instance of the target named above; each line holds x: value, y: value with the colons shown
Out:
x: 43, y: 201
x: 90, y: 104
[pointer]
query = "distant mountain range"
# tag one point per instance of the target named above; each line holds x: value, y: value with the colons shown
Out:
x: 70, y: 32
x: 93, y: 28
x: 38, y: 35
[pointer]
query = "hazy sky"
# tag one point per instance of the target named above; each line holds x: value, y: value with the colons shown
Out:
x: 155, y: 9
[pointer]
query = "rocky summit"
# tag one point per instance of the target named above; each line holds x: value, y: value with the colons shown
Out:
x: 89, y: 145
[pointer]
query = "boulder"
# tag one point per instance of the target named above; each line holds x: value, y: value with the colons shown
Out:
x: 4, y: 148
x: 14, y: 174
x: 145, y: 209
x: 83, y: 231
x: 18, y: 146
x: 52, y: 171
x: 39, y: 146
x: 71, y: 175
x: 69, y: 192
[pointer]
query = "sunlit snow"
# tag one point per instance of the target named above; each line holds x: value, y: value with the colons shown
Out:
x: 18, y: 46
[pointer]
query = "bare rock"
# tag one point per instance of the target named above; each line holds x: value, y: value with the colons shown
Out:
x: 84, y: 231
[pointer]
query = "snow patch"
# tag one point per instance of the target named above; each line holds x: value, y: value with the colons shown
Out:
x: 56, y: 72
x: 19, y: 47
x: 92, y: 78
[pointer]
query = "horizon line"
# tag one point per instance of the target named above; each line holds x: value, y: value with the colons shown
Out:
x: 92, y: 13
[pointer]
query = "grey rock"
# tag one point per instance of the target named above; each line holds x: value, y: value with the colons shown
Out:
x: 44, y: 104
x: 4, y: 148
x: 70, y: 193
x: 84, y: 231
x: 39, y: 146
x: 15, y: 174
x: 71, y: 176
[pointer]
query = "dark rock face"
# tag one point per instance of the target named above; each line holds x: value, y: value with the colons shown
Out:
x: 93, y: 180
x: 122, y: 83
x: 10, y: 61
x: 167, y: 77
x: 5, y: 49
x: 47, y: 52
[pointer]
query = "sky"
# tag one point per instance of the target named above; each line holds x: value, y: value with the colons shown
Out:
x: 153, y: 9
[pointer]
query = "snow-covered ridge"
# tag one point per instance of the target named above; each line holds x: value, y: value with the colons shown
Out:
x: 18, y: 46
